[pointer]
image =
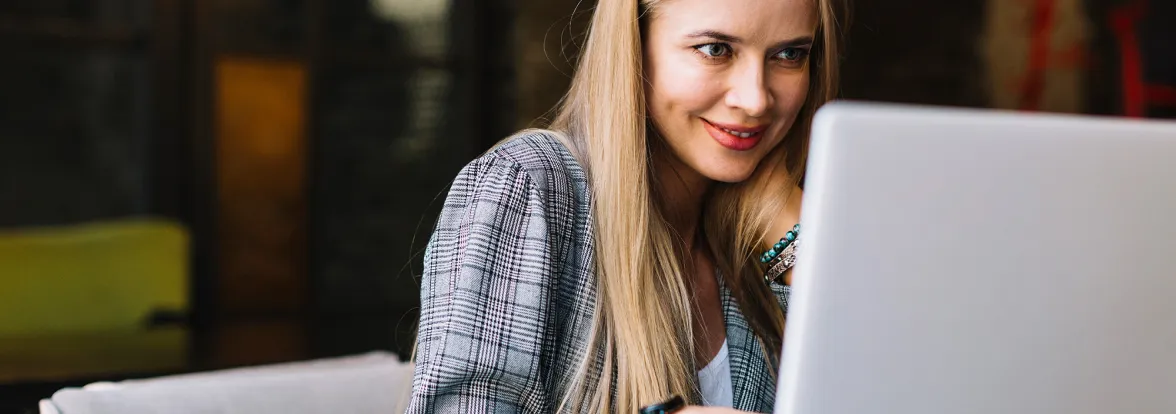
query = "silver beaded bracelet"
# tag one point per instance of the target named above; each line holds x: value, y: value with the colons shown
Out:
x: 782, y: 262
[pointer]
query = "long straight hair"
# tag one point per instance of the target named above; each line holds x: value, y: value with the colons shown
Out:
x: 641, y: 347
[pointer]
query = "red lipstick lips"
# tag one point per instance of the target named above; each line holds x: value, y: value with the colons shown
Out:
x: 735, y: 137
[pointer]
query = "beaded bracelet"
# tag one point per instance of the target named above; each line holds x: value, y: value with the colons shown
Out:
x: 784, y: 261
x: 782, y: 255
x: 780, y: 245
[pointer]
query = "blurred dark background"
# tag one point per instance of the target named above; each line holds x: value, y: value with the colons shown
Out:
x: 189, y: 185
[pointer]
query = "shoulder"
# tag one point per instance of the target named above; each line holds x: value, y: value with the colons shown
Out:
x: 532, y: 164
x: 541, y: 156
x: 531, y: 171
x: 508, y: 271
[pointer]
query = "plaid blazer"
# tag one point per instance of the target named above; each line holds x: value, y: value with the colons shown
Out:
x: 508, y: 290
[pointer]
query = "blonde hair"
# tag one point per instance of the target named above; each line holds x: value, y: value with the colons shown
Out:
x: 641, y: 347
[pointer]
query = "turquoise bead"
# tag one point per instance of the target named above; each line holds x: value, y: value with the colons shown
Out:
x: 781, y: 245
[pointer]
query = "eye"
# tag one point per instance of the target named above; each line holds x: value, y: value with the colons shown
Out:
x: 714, y: 50
x: 792, y: 54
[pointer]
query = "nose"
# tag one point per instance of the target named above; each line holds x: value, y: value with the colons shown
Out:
x: 748, y: 90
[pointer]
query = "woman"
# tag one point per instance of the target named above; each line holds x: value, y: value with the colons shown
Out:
x: 615, y: 260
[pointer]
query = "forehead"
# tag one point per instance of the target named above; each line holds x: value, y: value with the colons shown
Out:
x: 754, y: 20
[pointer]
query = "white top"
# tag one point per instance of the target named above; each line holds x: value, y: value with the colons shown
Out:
x: 715, y: 380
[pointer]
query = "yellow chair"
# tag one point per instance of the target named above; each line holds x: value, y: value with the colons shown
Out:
x: 95, y: 277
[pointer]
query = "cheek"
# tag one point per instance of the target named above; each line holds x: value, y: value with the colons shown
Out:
x: 678, y: 92
x: 674, y: 106
x: 677, y: 100
x: 791, y: 95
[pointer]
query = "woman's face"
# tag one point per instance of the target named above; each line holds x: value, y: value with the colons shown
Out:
x: 726, y: 79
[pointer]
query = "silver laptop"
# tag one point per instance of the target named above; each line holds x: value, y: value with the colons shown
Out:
x: 974, y: 261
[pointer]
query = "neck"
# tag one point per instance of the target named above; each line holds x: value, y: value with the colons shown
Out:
x: 682, y: 192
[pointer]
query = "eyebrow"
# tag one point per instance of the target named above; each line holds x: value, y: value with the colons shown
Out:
x: 723, y: 37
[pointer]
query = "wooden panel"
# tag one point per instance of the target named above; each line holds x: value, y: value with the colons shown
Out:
x: 546, y: 40
x: 1035, y: 54
x: 261, y: 197
x: 258, y: 342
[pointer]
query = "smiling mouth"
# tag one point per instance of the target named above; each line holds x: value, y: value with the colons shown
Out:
x: 735, y: 137
x: 738, y: 134
x: 738, y: 131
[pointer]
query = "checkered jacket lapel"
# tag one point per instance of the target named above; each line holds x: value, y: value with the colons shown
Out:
x: 509, y: 284
x: 752, y: 382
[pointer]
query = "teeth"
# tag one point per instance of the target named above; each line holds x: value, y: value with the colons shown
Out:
x: 739, y: 134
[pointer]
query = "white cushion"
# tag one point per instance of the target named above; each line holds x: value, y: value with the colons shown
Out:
x: 47, y: 407
x: 370, y: 383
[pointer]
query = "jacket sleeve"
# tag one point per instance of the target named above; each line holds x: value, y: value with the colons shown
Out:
x: 485, y: 297
x: 782, y: 292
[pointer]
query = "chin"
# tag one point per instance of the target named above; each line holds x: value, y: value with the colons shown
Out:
x: 729, y: 173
